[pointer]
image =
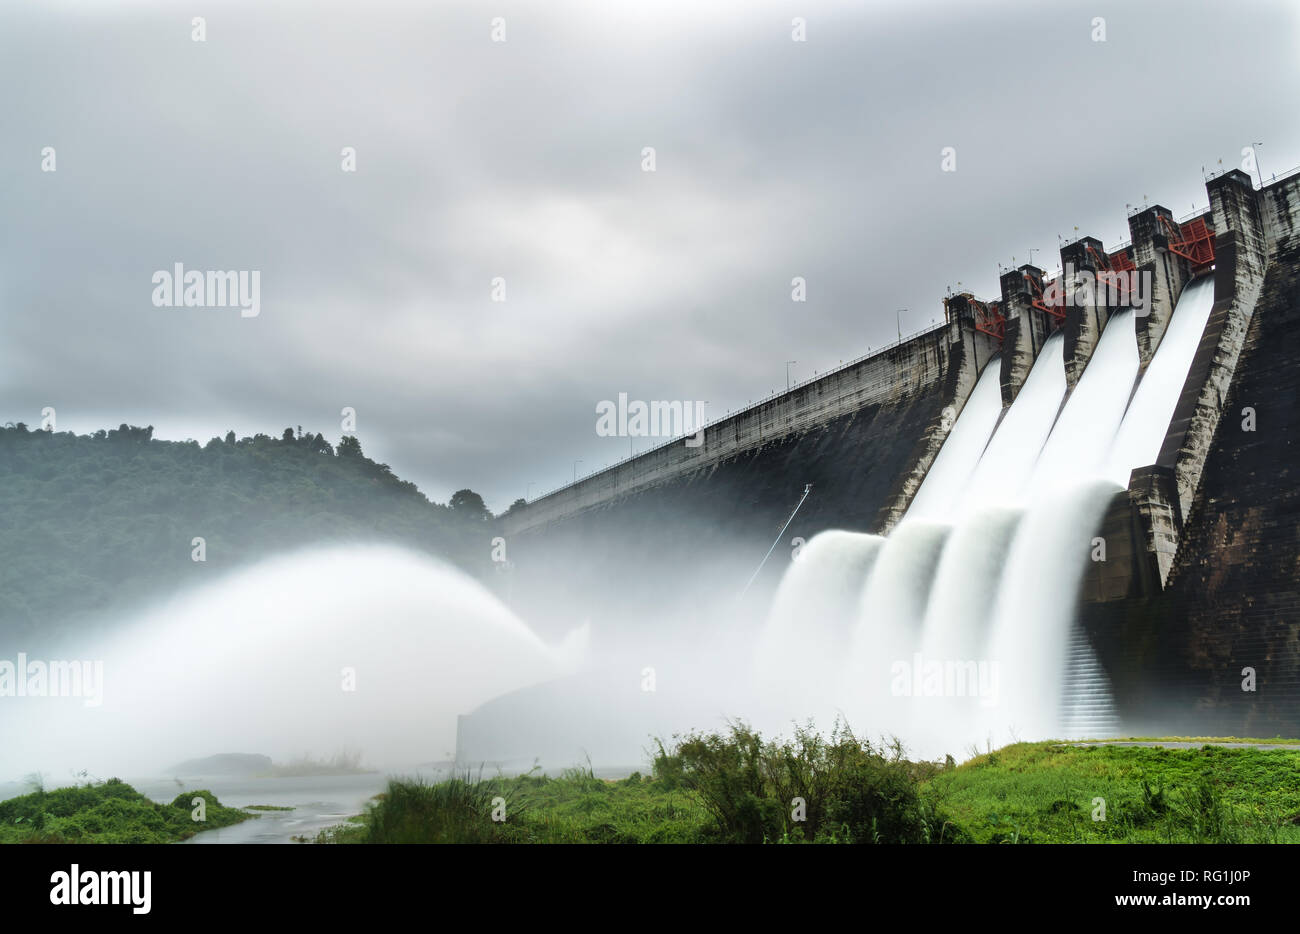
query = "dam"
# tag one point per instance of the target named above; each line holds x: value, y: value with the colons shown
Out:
x: 1085, y: 490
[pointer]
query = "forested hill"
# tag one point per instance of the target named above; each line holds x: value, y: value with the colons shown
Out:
x: 91, y: 524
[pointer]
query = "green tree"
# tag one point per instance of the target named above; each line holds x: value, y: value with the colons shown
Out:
x: 469, y: 506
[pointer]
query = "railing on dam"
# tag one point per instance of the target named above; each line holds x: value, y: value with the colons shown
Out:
x: 753, y: 406
x: 1283, y: 177
x: 1196, y: 212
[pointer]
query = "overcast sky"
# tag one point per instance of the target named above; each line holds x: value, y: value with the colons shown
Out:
x: 522, y: 159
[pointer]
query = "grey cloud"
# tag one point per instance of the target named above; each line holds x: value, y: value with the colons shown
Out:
x: 775, y: 159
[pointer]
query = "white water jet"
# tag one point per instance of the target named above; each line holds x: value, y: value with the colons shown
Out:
x: 941, y: 490
x: 812, y: 613
x: 1076, y: 478
x: 1081, y: 439
x: 1147, y: 419
x: 966, y: 584
x: 955, y: 630
x: 955, y: 627
x: 1001, y: 587
x: 1002, y: 473
x: 372, y: 649
x: 889, y: 620
x: 1035, y: 608
x: 1037, y: 593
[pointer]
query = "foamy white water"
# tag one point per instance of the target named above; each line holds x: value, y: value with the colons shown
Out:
x: 1037, y: 598
x: 816, y: 605
x: 1035, y: 609
x: 966, y: 583
x: 889, y: 616
x: 999, y: 589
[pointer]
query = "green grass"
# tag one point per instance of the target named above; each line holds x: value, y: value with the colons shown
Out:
x: 736, y: 787
x: 1023, y: 793
x: 1044, y: 793
x: 573, y: 808
x: 731, y: 787
x: 107, y: 812
x: 354, y: 831
x: 580, y: 808
x: 1275, y: 741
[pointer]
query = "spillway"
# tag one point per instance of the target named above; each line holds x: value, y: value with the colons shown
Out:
x: 1004, y: 470
x: 1143, y: 430
x: 965, y: 626
x: 946, y: 480
x: 1081, y: 439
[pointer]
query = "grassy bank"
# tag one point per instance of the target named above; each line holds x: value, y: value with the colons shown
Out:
x: 108, y: 812
x: 704, y: 788
x: 1047, y: 793
x: 573, y: 808
x: 737, y: 788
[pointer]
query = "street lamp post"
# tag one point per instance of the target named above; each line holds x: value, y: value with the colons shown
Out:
x: 575, y: 470
x: 787, y: 373
x: 898, y: 320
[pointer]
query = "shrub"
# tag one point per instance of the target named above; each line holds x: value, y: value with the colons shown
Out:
x: 809, y: 788
x: 458, y: 810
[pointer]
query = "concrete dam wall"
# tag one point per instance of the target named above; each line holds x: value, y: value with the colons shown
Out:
x: 1196, y: 593
x: 863, y: 436
x: 948, y: 354
x: 1199, y: 627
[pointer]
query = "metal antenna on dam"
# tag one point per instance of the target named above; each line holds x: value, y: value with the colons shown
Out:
x: 806, y: 490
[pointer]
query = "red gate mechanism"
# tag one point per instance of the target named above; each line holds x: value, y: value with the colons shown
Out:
x: 988, y: 319
x: 1194, y: 241
x: 1113, y: 270
x: 1054, y: 308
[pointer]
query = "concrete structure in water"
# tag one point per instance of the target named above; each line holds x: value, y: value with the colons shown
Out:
x: 1188, y: 541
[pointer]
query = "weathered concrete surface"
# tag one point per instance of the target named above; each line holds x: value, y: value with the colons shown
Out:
x: 966, y: 359
x: 667, y: 551
x: 887, y: 377
x: 1027, y: 329
x: 1140, y: 529
x: 1280, y: 203
x: 1233, y: 600
x: 1167, y: 272
x: 1084, y: 318
x: 1176, y: 658
x: 1240, y: 260
x: 1160, y: 500
x: 1153, y: 492
x: 1205, y: 555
